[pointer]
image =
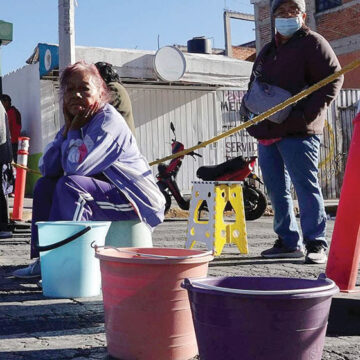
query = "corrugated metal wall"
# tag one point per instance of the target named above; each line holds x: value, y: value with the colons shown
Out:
x: 240, y: 143
x: 196, y: 117
x: 49, y: 104
x: 201, y: 113
x: 336, y: 142
x: 23, y: 85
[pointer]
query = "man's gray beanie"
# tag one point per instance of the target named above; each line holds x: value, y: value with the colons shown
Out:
x: 299, y: 3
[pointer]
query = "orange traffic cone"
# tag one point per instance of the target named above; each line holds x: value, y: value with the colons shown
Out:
x: 344, y: 254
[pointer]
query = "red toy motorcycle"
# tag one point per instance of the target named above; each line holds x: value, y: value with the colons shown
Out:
x: 236, y: 169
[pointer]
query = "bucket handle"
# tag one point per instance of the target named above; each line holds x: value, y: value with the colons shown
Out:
x: 189, y: 283
x: 155, y: 256
x: 65, y: 241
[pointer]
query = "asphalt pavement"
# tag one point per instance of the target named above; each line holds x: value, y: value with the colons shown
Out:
x: 35, y: 327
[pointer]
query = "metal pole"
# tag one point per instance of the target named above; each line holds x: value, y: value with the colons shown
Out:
x: 227, y: 31
x: 228, y: 15
x: 272, y: 22
x: 66, y: 33
x: 66, y: 39
x: 1, y: 91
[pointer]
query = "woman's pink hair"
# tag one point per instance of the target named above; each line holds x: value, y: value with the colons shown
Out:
x: 82, y: 66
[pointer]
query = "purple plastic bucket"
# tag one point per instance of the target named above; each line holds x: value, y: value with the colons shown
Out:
x: 252, y: 318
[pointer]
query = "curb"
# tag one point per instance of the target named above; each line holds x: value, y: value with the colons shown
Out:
x: 344, y: 317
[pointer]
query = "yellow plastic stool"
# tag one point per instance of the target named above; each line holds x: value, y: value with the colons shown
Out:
x: 214, y: 232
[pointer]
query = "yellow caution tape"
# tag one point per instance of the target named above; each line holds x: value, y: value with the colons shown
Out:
x: 267, y: 113
x: 26, y: 168
x: 331, y: 146
x: 354, y: 64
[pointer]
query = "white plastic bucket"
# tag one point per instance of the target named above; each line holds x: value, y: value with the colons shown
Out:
x: 69, y: 268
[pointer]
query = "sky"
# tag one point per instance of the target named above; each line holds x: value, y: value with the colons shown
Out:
x: 130, y: 24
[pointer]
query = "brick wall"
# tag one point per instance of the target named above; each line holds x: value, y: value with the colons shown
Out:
x: 342, y: 23
x: 244, y: 53
x: 264, y: 24
x: 352, y: 78
x: 264, y: 11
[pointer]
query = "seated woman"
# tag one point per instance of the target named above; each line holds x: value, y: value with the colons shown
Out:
x: 93, y: 170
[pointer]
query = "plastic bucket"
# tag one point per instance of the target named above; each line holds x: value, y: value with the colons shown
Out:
x: 147, y: 313
x: 252, y: 318
x: 68, y: 266
x: 129, y: 233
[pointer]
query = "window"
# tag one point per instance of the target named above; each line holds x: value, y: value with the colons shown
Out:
x: 322, y: 5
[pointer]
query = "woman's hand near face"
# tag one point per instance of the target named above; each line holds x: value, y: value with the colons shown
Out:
x: 84, y: 116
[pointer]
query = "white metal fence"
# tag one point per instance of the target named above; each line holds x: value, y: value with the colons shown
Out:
x: 199, y: 113
x: 335, y: 141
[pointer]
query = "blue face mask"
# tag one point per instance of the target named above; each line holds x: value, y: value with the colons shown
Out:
x: 288, y: 26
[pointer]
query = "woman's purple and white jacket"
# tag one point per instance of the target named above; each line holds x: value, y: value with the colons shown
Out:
x: 106, y: 146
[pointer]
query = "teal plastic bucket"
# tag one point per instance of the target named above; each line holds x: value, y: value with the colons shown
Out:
x: 129, y: 233
x: 69, y: 268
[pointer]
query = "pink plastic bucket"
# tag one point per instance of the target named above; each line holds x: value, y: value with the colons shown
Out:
x: 147, y: 313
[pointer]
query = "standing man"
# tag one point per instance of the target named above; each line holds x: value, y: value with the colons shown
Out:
x: 296, y: 58
x: 14, y: 118
x: 5, y: 159
x: 120, y: 99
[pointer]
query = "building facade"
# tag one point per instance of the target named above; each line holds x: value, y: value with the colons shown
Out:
x: 201, y: 104
x: 336, y: 20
